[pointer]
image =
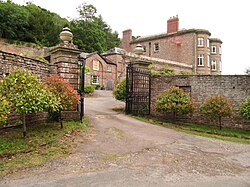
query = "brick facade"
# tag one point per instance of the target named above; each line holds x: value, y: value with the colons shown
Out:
x: 103, y: 69
x: 235, y: 88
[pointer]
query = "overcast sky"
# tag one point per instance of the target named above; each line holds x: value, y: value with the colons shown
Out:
x: 227, y: 20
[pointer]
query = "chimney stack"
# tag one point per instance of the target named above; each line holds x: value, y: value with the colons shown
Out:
x: 173, y: 24
x: 126, y: 39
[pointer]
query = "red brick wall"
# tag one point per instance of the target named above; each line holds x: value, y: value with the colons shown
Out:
x: 180, y: 48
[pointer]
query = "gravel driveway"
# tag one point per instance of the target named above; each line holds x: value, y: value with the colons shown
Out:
x: 122, y: 151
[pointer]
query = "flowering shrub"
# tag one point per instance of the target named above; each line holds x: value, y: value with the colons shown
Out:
x: 244, y: 109
x: 217, y: 106
x: 4, y: 109
x: 64, y: 92
x: 175, y: 100
x: 27, y: 94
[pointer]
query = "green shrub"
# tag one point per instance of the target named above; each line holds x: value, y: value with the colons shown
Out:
x: 4, y: 109
x: 120, y: 91
x: 244, y: 109
x: 89, y: 89
x: 175, y: 100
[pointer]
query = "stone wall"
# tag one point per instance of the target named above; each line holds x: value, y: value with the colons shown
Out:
x: 235, y: 88
x: 25, y: 49
x: 10, y: 61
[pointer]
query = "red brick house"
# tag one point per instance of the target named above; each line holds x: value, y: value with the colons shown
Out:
x: 188, y: 46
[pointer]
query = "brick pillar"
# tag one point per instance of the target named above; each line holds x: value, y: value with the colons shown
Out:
x: 64, y: 59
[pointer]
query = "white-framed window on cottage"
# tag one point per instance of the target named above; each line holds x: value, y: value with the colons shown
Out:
x: 208, y: 43
x: 213, y: 65
x: 109, y: 68
x: 156, y: 47
x: 208, y: 61
x: 95, y: 79
x: 213, y: 51
x: 96, y: 65
x: 201, y: 60
x: 200, y: 42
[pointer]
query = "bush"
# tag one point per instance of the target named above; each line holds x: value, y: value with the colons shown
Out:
x: 244, y: 109
x: 89, y: 89
x: 175, y: 100
x: 64, y: 92
x: 120, y: 91
x: 217, y: 106
x: 27, y: 94
x: 4, y: 109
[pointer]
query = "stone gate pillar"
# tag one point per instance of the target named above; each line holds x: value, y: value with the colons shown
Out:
x: 64, y: 58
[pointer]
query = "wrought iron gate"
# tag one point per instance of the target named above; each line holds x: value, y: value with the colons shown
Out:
x: 138, y: 86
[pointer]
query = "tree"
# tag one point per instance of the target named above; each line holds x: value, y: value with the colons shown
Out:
x: 175, y: 100
x: 4, y: 109
x: 44, y: 26
x: 247, y: 71
x: 64, y: 92
x: 120, y: 91
x: 217, y: 107
x: 27, y: 94
x: 244, y: 109
x: 14, y: 21
x: 30, y: 23
x: 91, y: 33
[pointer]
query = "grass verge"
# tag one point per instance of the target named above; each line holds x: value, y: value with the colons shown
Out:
x: 44, y: 142
x: 234, y: 135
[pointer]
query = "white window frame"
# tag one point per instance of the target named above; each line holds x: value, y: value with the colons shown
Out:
x: 156, y: 47
x: 200, y: 59
x: 213, y: 49
x: 96, y: 65
x: 109, y: 68
x: 213, y: 65
x: 208, y: 61
x: 95, y: 79
x: 200, y: 42
x: 208, y: 43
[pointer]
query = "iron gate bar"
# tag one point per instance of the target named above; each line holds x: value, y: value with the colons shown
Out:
x: 138, y: 84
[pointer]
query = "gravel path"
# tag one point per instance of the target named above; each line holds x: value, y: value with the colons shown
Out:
x: 121, y: 151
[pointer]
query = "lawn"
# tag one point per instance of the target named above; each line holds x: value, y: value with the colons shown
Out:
x: 44, y: 142
x: 227, y: 134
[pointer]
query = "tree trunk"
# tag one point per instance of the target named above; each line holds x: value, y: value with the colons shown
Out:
x: 24, y: 126
x: 60, y: 119
x: 174, y: 116
x: 220, y: 122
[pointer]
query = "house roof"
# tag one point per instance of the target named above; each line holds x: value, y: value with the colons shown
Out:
x: 164, y: 35
x: 101, y: 56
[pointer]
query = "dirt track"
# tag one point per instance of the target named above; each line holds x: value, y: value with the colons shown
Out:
x: 121, y: 151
